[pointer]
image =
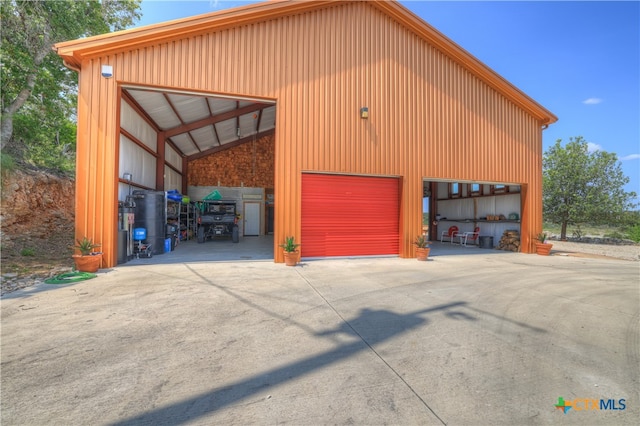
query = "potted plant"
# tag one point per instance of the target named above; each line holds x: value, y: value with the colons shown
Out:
x: 88, y: 260
x: 291, y: 251
x: 542, y: 247
x: 422, y: 247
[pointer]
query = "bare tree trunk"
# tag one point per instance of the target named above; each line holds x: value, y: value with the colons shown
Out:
x: 10, y: 110
x: 563, y: 231
x: 6, y: 130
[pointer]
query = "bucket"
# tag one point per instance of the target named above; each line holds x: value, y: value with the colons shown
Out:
x: 167, y: 245
x: 139, y: 234
x: 486, y: 242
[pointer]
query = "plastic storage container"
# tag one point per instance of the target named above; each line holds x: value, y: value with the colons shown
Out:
x: 139, y: 234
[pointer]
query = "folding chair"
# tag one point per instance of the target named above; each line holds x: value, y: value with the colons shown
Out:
x: 465, y: 237
x: 451, y: 233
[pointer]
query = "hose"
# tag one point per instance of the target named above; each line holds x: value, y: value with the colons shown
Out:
x: 70, y: 277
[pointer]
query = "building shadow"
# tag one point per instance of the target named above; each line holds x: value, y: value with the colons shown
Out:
x: 382, y: 325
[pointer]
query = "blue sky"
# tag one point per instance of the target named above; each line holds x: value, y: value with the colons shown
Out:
x: 579, y: 59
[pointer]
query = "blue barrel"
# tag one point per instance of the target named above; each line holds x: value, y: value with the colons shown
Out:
x: 167, y: 245
x: 139, y: 234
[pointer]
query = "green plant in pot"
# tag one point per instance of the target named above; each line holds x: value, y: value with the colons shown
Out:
x: 542, y: 247
x: 291, y: 252
x: 88, y: 260
x: 422, y: 247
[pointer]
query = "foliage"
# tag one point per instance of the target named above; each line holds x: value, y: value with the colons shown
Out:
x: 631, y: 218
x: 421, y: 241
x: 7, y: 162
x: 614, y: 234
x: 634, y: 233
x: 38, y: 92
x: 27, y: 252
x: 542, y: 237
x: 85, y: 246
x: 583, y: 187
x: 289, y: 245
x: 48, y: 141
x: 577, y: 233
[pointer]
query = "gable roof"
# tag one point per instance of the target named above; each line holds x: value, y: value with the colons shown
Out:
x: 75, y: 51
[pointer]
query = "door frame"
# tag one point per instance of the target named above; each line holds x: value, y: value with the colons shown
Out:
x: 258, y: 217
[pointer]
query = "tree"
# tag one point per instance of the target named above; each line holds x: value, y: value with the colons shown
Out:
x: 38, y: 91
x: 583, y: 187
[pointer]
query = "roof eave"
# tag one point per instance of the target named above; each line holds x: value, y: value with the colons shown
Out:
x: 75, y: 51
x: 466, y: 59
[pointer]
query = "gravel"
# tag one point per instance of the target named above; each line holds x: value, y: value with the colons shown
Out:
x: 626, y: 252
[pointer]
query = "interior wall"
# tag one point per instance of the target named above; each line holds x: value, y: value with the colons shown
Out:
x: 139, y: 157
x: 237, y: 194
x: 250, y: 165
x: 461, y: 212
x: 133, y: 158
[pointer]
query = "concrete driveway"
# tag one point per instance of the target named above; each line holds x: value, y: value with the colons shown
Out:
x: 477, y: 338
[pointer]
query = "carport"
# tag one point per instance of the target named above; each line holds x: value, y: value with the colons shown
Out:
x: 190, y: 129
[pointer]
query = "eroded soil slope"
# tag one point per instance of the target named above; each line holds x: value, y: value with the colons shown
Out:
x: 37, y: 214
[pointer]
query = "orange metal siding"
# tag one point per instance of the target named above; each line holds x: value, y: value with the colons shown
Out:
x: 430, y: 117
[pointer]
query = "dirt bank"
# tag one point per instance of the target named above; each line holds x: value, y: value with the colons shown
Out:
x: 37, y: 215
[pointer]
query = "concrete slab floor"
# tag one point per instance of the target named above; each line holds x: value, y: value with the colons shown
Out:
x: 479, y: 338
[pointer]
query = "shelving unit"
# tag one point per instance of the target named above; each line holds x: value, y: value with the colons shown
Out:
x: 188, y: 221
x: 173, y: 210
x: 480, y: 221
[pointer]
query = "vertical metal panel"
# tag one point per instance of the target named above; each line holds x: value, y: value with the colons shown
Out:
x: 429, y: 116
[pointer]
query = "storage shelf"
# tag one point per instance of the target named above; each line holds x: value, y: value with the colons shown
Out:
x: 479, y: 221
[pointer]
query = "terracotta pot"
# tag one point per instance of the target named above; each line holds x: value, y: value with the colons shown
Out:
x: 422, y: 253
x: 291, y: 257
x: 543, y: 249
x: 88, y: 263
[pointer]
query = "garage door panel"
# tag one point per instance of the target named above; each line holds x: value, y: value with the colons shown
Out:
x: 349, y: 215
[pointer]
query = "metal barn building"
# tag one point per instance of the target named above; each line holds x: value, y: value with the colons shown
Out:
x: 347, y: 113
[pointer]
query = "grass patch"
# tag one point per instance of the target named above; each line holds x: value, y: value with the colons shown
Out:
x: 27, y: 252
x: 634, y: 233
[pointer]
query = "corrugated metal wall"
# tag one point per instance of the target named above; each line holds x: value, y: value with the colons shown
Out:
x: 429, y: 117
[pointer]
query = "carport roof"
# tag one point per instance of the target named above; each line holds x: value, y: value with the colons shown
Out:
x: 75, y: 51
x: 198, y: 125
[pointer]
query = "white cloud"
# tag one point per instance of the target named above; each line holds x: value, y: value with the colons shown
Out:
x: 593, y: 147
x: 631, y: 157
x: 592, y: 101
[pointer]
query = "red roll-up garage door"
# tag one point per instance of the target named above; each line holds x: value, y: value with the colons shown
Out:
x: 349, y: 215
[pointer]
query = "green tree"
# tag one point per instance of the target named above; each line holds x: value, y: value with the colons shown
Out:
x: 38, y: 92
x: 583, y: 187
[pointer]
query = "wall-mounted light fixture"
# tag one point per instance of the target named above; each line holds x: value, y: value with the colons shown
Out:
x: 128, y: 176
x: 364, y: 112
x: 107, y: 71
